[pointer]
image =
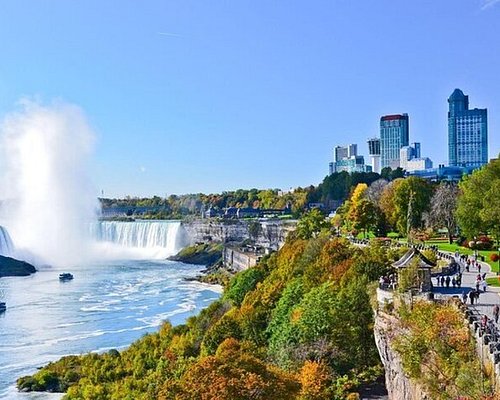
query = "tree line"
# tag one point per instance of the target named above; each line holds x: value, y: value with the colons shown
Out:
x: 415, y: 208
x: 330, y: 192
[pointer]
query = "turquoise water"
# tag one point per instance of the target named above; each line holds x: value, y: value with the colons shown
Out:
x: 106, y: 306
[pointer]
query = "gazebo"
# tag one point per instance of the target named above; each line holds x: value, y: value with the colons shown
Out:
x: 425, y: 266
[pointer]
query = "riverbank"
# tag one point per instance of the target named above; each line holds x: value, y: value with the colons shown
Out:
x: 11, y: 267
x: 209, y: 255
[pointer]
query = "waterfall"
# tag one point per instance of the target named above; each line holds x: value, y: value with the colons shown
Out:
x: 147, y: 239
x: 6, y: 246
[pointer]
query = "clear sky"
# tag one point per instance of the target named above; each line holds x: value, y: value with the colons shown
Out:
x: 205, y: 96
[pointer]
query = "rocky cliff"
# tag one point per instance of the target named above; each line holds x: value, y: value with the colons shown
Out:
x: 399, y: 386
x: 265, y: 233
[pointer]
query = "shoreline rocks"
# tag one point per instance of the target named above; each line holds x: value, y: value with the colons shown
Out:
x: 11, y: 267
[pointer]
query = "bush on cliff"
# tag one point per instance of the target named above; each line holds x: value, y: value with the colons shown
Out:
x: 437, y: 350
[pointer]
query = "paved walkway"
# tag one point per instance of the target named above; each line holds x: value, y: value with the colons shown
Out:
x: 487, y: 300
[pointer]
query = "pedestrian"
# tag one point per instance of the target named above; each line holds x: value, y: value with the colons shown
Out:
x: 479, y: 267
x: 464, y: 297
x: 496, y: 311
x: 476, y: 295
x: 381, y: 282
x: 484, y: 276
x: 448, y: 281
x: 442, y: 280
x: 484, y: 285
x: 454, y: 282
x: 471, y: 296
x: 478, y: 282
x: 467, y: 267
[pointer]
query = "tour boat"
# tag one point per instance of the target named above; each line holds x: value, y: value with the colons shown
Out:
x: 66, y: 276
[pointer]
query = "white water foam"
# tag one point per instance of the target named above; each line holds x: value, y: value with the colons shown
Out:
x: 136, y: 240
x: 6, y: 245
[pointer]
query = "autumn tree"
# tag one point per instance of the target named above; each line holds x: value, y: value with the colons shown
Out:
x: 362, y: 212
x: 404, y: 202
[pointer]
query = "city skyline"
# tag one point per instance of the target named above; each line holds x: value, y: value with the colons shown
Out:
x: 187, y: 97
x: 467, y: 142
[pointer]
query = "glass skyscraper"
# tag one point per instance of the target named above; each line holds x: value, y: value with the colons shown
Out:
x: 467, y: 132
x: 394, y: 134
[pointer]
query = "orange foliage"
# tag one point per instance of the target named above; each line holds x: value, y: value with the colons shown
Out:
x: 315, y: 379
x: 233, y: 374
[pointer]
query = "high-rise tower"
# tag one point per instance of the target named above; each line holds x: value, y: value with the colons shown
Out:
x: 374, y: 153
x: 394, y: 134
x: 467, y: 132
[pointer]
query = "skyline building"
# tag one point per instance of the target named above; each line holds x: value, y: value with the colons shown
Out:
x: 467, y: 132
x: 341, y: 152
x: 394, y: 134
x: 410, y: 158
x: 374, y: 154
x: 346, y: 158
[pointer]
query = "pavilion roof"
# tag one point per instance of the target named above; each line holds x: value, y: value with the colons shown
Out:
x: 409, y: 256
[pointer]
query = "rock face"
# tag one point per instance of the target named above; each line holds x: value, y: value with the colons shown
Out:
x: 399, y: 386
x: 12, y: 267
x: 268, y: 234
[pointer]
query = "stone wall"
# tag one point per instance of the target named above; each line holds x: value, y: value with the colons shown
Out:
x: 487, y: 345
x: 237, y: 260
x: 399, y: 386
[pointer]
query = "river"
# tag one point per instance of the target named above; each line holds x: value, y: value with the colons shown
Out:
x: 107, y: 305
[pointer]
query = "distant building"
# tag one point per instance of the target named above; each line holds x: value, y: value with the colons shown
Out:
x: 467, y: 132
x: 374, y: 153
x: 341, y: 152
x: 394, y: 134
x: 346, y: 158
x: 410, y: 158
x: 416, y: 164
x: 442, y: 173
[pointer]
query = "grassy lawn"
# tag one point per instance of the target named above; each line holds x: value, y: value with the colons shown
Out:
x: 493, y: 281
x: 445, y: 246
x: 369, y: 235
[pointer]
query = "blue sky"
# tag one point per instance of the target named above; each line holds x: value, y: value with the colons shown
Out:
x: 205, y: 96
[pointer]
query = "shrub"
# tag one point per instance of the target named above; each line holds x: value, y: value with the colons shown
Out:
x: 243, y: 283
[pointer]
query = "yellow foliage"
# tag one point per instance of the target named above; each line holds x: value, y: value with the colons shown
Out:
x: 315, y: 379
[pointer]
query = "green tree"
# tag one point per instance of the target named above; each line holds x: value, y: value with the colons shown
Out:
x: 411, y: 192
x: 311, y: 224
x: 478, y: 209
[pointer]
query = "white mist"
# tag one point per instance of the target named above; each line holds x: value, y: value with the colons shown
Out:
x: 48, y: 198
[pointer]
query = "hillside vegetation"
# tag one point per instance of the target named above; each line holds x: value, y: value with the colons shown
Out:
x: 297, y: 326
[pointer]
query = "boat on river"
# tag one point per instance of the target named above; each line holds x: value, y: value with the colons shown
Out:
x: 3, y: 307
x: 65, y: 276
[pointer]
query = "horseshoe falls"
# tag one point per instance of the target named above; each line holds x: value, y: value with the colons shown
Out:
x: 138, y: 239
x: 6, y: 246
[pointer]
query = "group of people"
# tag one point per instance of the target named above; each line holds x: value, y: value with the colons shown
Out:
x: 388, y: 281
x: 481, y: 282
x: 473, y: 296
x: 455, y: 281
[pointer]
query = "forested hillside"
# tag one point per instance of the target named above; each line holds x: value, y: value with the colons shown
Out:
x: 297, y: 326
